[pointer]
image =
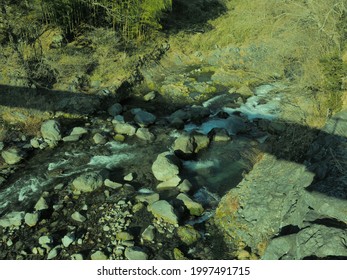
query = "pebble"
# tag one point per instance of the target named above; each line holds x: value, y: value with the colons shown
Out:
x: 98, y: 255
x: 149, y: 96
x: 112, y: 185
x: 135, y: 253
x: 194, y: 208
x: 163, y: 210
x: 129, y: 177
x: 68, y: 239
x: 148, y: 234
x: 31, y: 219
x: 77, y: 257
x: 78, y: 217
x: 99, y: 139
x: 185, y: 186
x: 41, y: 204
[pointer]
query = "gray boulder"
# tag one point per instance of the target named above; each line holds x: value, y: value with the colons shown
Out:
x: 144, y: 118
x: 115, y: 109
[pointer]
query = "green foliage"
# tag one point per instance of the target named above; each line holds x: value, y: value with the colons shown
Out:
x: 133, y: 20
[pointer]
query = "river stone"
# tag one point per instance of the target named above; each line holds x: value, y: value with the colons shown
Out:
x: 149, y: 96
x: 112, y: 185
x: 72, y: 138
x: 12, y: 219
x: 45, y: 241
x: 12, y: 155
x: 144, y: 134
x: 76, y: 257
x: 147, y: 198
x: 169, y: 184
x: 165, y: 166
x: 124, y: 236
x: 185, y: 186
x: 78, y: 217
x: 144, y: 118
x: 135, y: 253
x: 78, y: 131
x: 41, y: 204
x: 162, y: 209
x: 129, y: 177
x: 148, y: 233
x: 50, y: 131
x: 125, y: 128
x: 98, y: 255
x: 99, y: 139
x: 35, y: 143
x: 188, y: 234
x: 88, y: 182
x: 31, y: 219
x: 184, y: 145
x: 201, y: 142
x: 68, y: 239
x: 115, y: 109
x: 194, y: 208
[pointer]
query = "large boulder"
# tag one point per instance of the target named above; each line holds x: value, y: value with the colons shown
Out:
x: 165, y: 166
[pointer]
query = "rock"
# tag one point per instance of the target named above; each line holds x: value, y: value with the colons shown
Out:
x: 118, y: 119
x: 148, y: 234
x: 194, y: 208
x: 2, y: 145
x: 12, y: 219
x: 162, y: 209
x: 12, y: 155
x: 41, y: 204
x: 245, y: 91
x: 135, y: 253
x: 124, y: 236
x: 115, y: 109
x: 99, y: 139
x: 144, y: 134
x: 314, y: 241
x: 221, y: 136
x: 144, y: 118
x: 77, y: 257
x: 98, y: 255
x: 31, y: 219
x: 45, y: 241
x: 201, y: 142
x: 112, y: 185
x: 119, y: 138
x: 68, y: 239
x: 188, y: 234
x: 165, y: 166
x: 79, y: 131
x: 129, y: 177
x: 125, y: 128
x: 185, y: 186
x: 78, y: 217
x: 148, y: 198
x: 71, y: 138
x: 337, y: 124
x: 53, y: 253
x: 50, y: 131
x: 169, y: 184
x: 149, y: 96
x: 184, y: 145
x: 35, y: 143
x: 88, y: 182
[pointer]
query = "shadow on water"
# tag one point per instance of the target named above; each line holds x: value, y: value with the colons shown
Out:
x: 323, y: 152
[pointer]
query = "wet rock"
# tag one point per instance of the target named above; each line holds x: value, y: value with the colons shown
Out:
x: 144, y: 134
x: 188, y: 234
x: 165, y: 166
x: 135, y: 253
x: 53, y: 253
x: 125, y: 128
x: 169, y: 184
x: 129, y: 177
x: 124, y: 236
x: 244, y: 91
x: 144, y: 118
x: 41, y: 204
x: 99, y: 139
x: 185, y: 186
x: 148, y: 234
x: 194, y: 208
x: 88, y: 182
x: 68, y: 239
x: 12, y: 155
x: 50, y: 131
x: 35, y: 143
x: 31, y: 219
x: 98, y: 255
x: 112, y: 185
x: 78, y: 217
x: 201, y: 142
x: 2, y: 145
x: 12, y: 219
x: 149, y: 96
x: 79, y: 131
x: 184, y: 145
x: 71, y: 138
x: 77, y: 257
x: 147, y: 198
x: 115, y: 109
x: 221, y: 136
x: 314, y: 241
x: 163, y: 210
x: 45, y: 241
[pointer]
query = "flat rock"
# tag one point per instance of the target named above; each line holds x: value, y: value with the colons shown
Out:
x: 148, y: 234
x: 135, y: 253
x: 165, y: 166
x: 147, y: 198
x: 125, y: 128
x: 169, y: 184
x: 163, y: 210
x: 88, y: 182
x: 41, y: 204
x: 193, y: 207
x: 99, y: 139
x: 144, y: 134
